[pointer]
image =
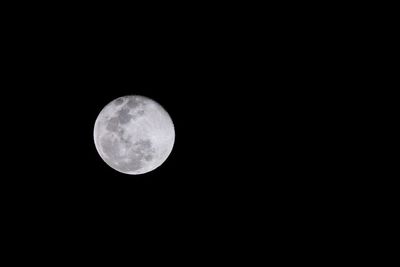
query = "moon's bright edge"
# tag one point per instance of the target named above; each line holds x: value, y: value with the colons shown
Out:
x: 134, y: 134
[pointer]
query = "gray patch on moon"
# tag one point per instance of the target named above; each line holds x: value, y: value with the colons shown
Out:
x: 133, y: 164
x: 141, y: 151
x: 112, y: 124
x: 148, y: 157
x: 110, y: 147
x: 135, y: 102
x: 137, y: 114
x: 124, y: 116
x: 120, y: 132
x: 125, y: 141
x: 119, y: 101
x: 145, y: 143
x: 126, y: 166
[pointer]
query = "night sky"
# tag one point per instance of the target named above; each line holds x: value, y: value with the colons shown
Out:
x: 240, y: 107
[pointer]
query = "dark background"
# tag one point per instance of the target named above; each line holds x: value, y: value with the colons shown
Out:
x: 241, y: 91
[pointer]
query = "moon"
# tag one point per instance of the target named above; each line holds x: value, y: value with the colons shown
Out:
x: 134, y: 134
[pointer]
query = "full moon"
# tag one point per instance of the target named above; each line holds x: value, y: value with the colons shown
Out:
x: 134, y: 134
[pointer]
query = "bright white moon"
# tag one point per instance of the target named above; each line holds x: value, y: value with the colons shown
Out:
x: 134, y: 134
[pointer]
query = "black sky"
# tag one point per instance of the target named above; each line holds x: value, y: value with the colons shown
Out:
x: 239, y: 97
x: 208, y: 87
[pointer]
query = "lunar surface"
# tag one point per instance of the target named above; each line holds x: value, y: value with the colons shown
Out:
x: 134, y: 134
